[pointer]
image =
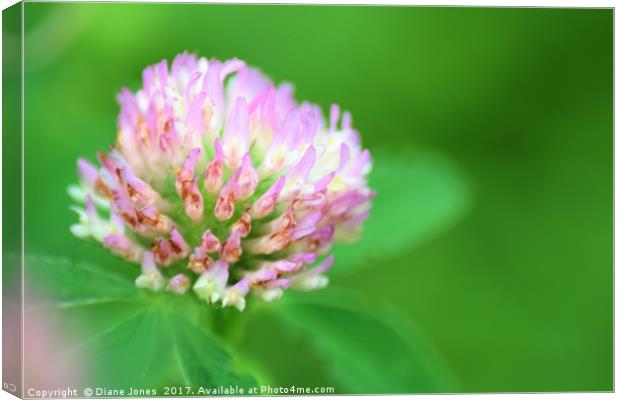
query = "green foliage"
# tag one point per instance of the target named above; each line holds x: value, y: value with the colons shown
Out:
x: 417, y: 197
x: 133, y: 337
x: 365, y: 348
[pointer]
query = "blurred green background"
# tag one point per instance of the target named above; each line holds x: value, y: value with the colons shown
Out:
x: 517, y: 294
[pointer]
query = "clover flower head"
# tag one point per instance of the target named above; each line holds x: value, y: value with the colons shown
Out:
x: 221, y: 182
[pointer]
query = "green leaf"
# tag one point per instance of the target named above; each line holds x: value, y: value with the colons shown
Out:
x: 366, y: 349
x: 129, y: 337
x: 417, y: 197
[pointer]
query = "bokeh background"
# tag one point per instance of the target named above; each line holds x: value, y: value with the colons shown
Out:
x: 515, y: 293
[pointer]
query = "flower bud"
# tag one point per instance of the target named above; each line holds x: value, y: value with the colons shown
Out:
x: 231, y: 179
